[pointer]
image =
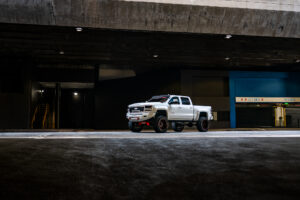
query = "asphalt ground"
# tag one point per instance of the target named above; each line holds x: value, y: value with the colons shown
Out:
x: 124, y: 165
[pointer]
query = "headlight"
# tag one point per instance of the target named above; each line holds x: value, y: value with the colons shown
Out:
x: 148, y: 108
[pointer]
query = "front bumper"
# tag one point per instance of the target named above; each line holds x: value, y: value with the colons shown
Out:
x: 140, y: 117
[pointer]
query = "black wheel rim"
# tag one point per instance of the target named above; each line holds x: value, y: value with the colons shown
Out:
x: 162, y: 124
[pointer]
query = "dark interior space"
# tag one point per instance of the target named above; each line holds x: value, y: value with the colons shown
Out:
x: 14, y: 93
x: 36, y: 58
x: 112, y: 97
x: 77, y: 109
x: 255, y: 117
x: 11, y: 79
x: 293, y: 116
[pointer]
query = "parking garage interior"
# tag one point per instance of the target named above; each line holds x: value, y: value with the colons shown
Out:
x: 70, y: 68
x: 59, y: 77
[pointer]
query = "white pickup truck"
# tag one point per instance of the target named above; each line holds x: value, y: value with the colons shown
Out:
x: 162, y: 109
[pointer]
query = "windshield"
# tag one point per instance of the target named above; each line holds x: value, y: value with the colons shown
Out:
x: 162, y: 98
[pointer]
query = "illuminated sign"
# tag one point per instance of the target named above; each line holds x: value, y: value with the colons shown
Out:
x: 267, y: 99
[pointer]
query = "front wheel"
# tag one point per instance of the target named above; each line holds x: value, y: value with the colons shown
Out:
x: 177, y: 127
x: 135, y: 127
x: 161, y: 124
x: 202, y: 124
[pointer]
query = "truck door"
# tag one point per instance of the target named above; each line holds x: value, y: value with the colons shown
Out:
x: 174, y: 109
x: 187, y: 109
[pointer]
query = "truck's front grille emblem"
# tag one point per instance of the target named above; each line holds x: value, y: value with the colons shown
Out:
x: 136, y: 109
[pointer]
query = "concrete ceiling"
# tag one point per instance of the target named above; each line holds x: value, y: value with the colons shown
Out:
x: 58, y: 46
x: 68, y: 85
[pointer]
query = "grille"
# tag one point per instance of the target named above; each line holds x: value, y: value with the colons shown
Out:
x: 136, y: 109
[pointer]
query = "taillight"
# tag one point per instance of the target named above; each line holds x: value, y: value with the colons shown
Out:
x: 144, y: 123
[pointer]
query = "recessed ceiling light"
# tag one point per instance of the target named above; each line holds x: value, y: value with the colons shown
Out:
x: 75, y: 93
x: 227, y: 58
x: 78, y: 29
x: 61, y: 52
x: 228, y: 36
x: 155, y: 56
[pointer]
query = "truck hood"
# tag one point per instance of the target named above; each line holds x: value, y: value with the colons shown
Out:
x: 145, y: 104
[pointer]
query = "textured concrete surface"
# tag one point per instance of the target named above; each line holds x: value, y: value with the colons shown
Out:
x: 165, y: 167
x: 259, y: 18
x: 279, y: 5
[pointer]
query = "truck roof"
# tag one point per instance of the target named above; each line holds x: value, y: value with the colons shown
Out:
x: 168, y: 95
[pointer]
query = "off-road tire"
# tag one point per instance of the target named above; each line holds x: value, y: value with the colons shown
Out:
x: 135, y: 127
x: 161, y: 124
x: 177, y: 127
x: 202, y: 124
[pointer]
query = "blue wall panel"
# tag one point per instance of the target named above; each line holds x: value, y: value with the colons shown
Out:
x: 293, y: 85
x: 260, y: 87
x: 261, y: 84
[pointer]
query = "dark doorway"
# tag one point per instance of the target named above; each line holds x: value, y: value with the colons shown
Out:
x: 293, y: 117
x: 77, y: 109
x: 254, y: 117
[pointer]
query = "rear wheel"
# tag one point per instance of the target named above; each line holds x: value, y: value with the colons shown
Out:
x: 178, y: 127
x: 161, y: 124
x: 202, y: 124
x: 135, y: 127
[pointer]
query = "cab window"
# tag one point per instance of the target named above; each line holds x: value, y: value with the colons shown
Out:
x: 185, y: 101
x: 174, y: 100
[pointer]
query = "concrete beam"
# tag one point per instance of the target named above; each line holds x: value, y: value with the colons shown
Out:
x: 278, y: 5
x: 276, y: 18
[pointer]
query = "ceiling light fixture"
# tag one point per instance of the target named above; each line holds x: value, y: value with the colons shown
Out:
x: 155, y: 56
x: 75, y: 93
x: 61, y: 52
x: 228, y: 36
x: 227, y: 58
x: 78, y: 29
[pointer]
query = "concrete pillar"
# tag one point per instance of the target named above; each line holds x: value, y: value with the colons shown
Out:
x: 27, y: 74
x: 57, y: 103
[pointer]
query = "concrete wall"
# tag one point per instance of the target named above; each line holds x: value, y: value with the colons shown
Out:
x: 15, y: 95
x: 208, y: 88
x: 258, y: 18
x: 13, y: 111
